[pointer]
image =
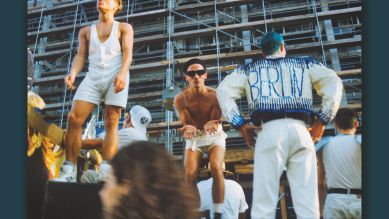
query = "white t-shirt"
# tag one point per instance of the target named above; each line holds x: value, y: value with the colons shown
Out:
x: 234, y: 198
x: 128, y: 135
x: 342, y: 159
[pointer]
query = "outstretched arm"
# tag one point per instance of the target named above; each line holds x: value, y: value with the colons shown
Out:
x: 179, y: 104
x: 127, y: 42
x: 79, y: 59
x: 215, y: 116
x: 92, y: 143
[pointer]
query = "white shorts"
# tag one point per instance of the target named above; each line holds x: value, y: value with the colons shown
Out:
x: 204, y: 142
x: 98, y: 90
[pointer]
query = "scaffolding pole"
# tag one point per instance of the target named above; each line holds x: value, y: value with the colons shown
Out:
x: 169, y: 74
x: 319, y: 33
x: 217, y: 42
x: 218, y: 30
x: 69, y: 63
x: 264, y: 14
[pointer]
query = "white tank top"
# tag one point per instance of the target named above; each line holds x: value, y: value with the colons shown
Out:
x: 105, y: 59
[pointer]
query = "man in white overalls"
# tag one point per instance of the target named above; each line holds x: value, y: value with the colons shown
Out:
x: 108, y: 46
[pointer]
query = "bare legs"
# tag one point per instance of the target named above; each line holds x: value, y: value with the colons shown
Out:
x: 216, y: 158
x: 192, y: 160
x: 111, y: 123
x: 76, y: 118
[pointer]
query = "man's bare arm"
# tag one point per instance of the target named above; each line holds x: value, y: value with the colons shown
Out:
x: 216, y: 112
x: 127, y: 42
x: 242, y: 215
x: 316, y: 130
x: 188, y: 130
x: 179, y: 105
x: 79, y: 59
x: 127, y: 45
x: 321, y: 180
x: 92, y: 143
x: 212, y: 126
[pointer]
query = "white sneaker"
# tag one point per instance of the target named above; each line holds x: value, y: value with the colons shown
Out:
x: 67, y: 173
x: 104, y: 170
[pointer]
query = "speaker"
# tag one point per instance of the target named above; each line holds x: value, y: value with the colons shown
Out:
x: 36, y: 184
x: 72, y: 200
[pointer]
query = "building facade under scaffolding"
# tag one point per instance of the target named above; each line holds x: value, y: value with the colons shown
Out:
x: 224, y: 33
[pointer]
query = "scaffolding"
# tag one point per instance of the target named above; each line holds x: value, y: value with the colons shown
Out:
x: 167, y: 33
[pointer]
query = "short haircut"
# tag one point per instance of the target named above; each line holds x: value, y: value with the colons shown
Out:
x: 271, y: 42
x: 345, y: 118
x: 193, y: 61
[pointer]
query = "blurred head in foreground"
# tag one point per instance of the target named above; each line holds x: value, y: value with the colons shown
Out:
x: 145, y: 182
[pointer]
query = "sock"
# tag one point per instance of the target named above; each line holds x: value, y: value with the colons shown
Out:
x: 65, y: 167
x: 218, y: 207
x: 66, y: 162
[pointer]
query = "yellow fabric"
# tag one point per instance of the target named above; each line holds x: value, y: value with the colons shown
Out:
x: 34, y: 141
x: 53, y: 156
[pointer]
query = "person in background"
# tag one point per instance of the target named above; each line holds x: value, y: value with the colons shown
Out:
x: 234, y: 205
x: 134, y: 129
x: 341, y: 157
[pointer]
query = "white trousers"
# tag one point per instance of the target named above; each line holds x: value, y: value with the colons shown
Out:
x: 342, y: 206
x: 285, y: 143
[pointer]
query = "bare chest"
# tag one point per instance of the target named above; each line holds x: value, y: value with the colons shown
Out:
x: 104, y: 32
x: 200, y: 109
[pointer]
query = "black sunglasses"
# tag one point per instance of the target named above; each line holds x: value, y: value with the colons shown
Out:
x: 198, y: 72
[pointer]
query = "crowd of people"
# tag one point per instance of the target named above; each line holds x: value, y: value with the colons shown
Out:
x: 143, y: 181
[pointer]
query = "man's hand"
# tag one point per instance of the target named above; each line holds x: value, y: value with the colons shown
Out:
x: 248, y: 132
x: 189, y: 131
x: 69, y: 81
x: 316, y: 130
x: 212, y: 126
x: 119, y: 82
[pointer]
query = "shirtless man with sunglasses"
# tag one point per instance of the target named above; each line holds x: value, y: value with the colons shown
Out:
x: 200, y: 113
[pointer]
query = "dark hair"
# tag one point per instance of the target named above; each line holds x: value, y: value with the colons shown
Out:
x: 345, y: 118
x: 157, y: 185
x: 193, y: 61
x: 270, y: 43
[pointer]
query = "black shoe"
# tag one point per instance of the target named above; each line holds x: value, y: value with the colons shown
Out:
x: 218, y: 216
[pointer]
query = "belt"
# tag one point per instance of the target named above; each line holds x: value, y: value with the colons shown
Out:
x: 345, y: 191
x: 273, y: 116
